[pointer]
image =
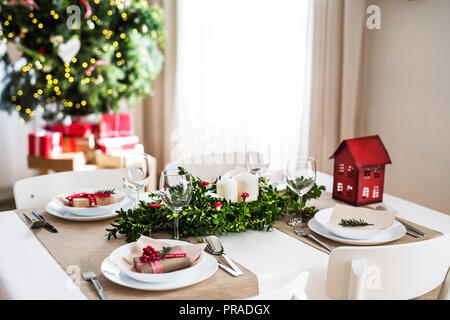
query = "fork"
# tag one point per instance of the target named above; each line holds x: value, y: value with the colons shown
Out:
x: 302, y: 233
x: 89, y: 275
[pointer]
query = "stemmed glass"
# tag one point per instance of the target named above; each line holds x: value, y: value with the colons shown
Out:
x: 301, y: 177
x: 137, y: 172
x: 176, y: 193
x: 257, y: 158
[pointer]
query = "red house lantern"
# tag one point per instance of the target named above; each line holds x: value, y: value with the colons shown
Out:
x: 359, y: 170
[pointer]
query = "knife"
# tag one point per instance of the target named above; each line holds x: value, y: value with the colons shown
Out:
x: 47, y: 226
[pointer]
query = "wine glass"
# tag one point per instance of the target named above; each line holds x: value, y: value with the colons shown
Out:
x: 176, y: 193
x: 257, y: 158
x: 300, y: 177
x: 137, y: 172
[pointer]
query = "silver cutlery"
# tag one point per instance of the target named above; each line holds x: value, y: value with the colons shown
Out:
x: 409, y: 227
x: 215, y: 247
x: 34, y: 223
x: 412, y: 233
x: 302, y: 233
x: 45, y: 224
x: 89, y: 275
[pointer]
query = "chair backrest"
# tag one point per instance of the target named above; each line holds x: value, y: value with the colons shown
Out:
x: 403, y: 271
x: 35, y: 192
x: 210, y: 166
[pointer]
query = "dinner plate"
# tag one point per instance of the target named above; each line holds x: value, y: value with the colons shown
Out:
x: 397, y: 231
x: 90, y: 211
x: 123, y: 251
x: 324, y: 215
x: 203, y: 272
x: 56, y: 210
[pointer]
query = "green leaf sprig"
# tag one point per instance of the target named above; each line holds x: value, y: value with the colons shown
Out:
x: 201, y: 217
x: 354, y: 223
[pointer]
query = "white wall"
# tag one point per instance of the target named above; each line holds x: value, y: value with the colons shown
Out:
x: 407, y: 97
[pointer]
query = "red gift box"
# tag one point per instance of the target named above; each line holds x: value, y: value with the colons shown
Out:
x: 74, y: 129
x: 78, y: 144
x: 45, y: 144
x: 114, y: 125
x: 117, y: 144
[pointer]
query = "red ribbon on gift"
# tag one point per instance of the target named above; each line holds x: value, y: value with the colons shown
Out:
x: 90, y: 196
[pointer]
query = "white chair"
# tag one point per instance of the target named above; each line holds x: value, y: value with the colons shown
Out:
x: 444, y: 293
x: 210, y: 166
x: 401, y: 272
x: 35, y: 192
x: 292, y: 290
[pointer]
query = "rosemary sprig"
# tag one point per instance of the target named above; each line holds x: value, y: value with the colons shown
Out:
x: 164, y: 251
x: 354, y: 223
x: 106, y: 191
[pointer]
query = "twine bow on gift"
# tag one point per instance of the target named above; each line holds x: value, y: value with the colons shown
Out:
x: 92, y: 197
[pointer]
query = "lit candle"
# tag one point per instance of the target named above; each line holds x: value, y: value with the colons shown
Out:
x: 227, y: 188
x: 247, y: 183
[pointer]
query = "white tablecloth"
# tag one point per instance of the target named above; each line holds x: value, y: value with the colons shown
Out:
x: 39, y: 276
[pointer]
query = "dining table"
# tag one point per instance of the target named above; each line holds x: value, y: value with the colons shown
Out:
x: 29, y: 271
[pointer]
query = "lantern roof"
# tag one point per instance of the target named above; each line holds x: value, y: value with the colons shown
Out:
x: 365, y: 151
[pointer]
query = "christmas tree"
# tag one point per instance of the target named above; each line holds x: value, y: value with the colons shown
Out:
x: 78, y: 57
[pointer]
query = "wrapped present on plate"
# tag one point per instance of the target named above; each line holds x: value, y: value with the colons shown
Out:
x: 74, y: 129
x: 114, y: 125
x: 45, y: 144
x: 117, y: 144
x: 87, y: 199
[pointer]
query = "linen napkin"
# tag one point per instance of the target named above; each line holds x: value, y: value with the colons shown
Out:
x: 193, y: 253
x: 380, y: 219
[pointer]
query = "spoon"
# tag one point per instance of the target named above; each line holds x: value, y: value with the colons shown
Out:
x: 215, y: 247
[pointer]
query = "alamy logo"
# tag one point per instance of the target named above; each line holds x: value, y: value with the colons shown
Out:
x: 374, y: 20
x: 73, y: 21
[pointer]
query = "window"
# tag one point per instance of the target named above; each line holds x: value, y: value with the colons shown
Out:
x: 351, y: 170
x: 366, y: 173
x: 376, y: 192
x: 377, y: 172
x: 365, y: 193
x: 349, y: 191
x: 247, y: 63
x: 339, y: 187
x: 341, y: 168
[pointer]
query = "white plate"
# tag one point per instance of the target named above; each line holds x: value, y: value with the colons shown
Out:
x: 203, y: 272
x: 387, y: 235
x: 56, y: 210
x: 123, y: 251
x: 324, y: 215
x: 90, y: 211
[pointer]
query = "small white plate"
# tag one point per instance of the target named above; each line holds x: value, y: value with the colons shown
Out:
x: 203, y: 272
x: 397, y: 231
x: 123, y: 251
x: 324, y: 215
x: 90, y: 211
x: 56, y: 210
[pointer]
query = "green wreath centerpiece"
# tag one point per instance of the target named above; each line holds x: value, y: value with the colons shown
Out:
x: 207, y: 214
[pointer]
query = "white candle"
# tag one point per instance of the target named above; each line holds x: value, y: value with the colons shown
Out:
x: 247, y: 183
x: 227, y: 188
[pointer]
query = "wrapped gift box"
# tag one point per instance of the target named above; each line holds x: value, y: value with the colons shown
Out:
x: 117, y: 144
x: 74, y: 129
x: 45, y: 144
x: 114, y: 125
x: 64, y: 162
x: 78, y: 144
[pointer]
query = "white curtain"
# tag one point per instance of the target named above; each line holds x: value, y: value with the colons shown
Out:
x: 243, y: 75
x: 13, y: 147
